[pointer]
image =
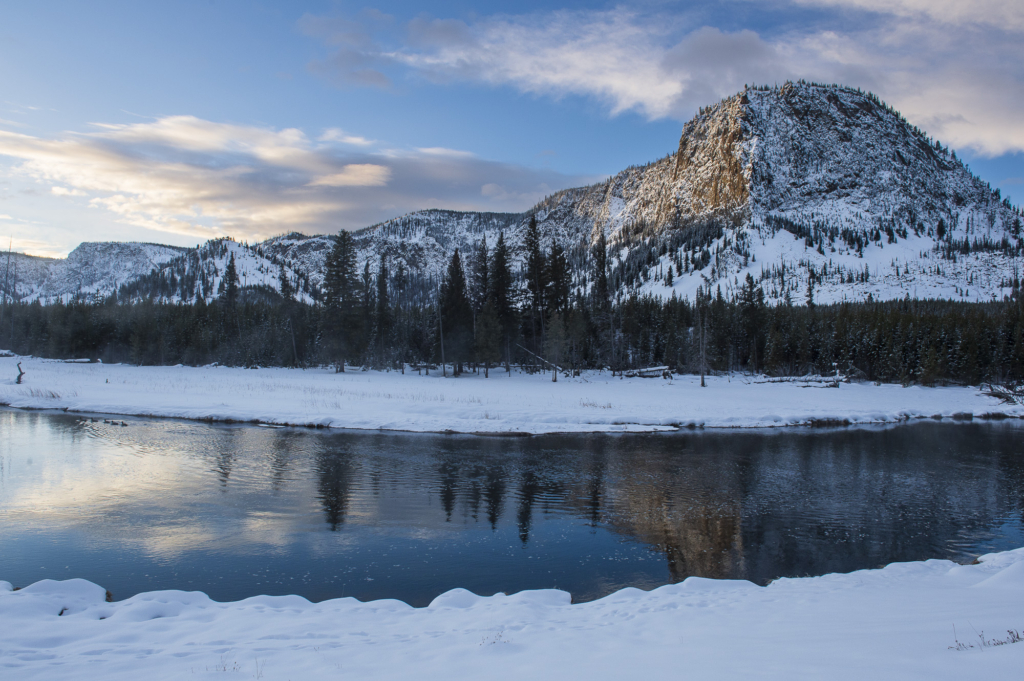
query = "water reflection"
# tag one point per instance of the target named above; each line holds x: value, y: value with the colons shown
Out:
x: 240, y: 510
x: 334, y: 484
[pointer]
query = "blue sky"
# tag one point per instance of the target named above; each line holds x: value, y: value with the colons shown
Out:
x: 182, y: 121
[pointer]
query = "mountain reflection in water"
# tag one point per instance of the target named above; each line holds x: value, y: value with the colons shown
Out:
x: 242, y: 510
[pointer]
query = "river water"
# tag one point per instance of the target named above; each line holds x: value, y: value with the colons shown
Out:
x: 241, y: 510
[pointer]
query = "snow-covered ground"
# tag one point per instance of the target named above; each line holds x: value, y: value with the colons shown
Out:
x: 470, y: 403
x: 892, y: 623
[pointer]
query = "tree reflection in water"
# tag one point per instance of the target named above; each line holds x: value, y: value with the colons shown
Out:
x: 237, y: 510
x: 754, y: 505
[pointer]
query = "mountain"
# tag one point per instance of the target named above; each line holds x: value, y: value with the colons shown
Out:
x: 201, y: 272
x: 778, y: 183
x: 799, y: 186
x: 94, y: 268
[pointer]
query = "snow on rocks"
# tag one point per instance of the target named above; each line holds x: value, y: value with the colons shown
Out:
x: 503, y: 403
x: 891, y: 623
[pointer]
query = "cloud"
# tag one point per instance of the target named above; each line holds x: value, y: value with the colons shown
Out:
x: 611, y: 55
x: 355, y: 175
x: 190, y: 176
x: 38, y: 247
x: 1004, y: 14
x: 954, y: 68
x: 355, y: 59
x: 442, y: 151
x: 64, y: 191
x: 336, y: 135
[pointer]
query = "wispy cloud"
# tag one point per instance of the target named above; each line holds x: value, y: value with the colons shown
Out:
x: 64, y: 191
x: 355, y: 175
x: 956, y: 68
x: 201, y: 178
x: 1003, y: 14
x: 338, y: 135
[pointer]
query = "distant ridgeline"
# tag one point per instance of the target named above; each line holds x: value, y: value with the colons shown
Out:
x: 781, y: 222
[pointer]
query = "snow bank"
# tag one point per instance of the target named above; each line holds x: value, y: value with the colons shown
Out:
x: 892, y: 623
x: 470, y: 403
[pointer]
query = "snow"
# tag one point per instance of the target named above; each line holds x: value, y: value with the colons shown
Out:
x: 595, y: 402
x: 93, y: 269
x: 910, y: 267
x: 891, y: 623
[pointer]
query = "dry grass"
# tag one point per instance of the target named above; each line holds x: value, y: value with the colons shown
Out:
x: 50, y: 394
x: 1012, y: 636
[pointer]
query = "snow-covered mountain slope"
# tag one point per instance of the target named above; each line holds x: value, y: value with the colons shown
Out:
x: 791, y: 184
x: 799, y: 186
x: 422, y: 242
x: 201, y: 273
x: 782, y: 182
x: 94, y: 268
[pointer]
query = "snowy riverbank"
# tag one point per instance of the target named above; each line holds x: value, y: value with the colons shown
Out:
x: 472, y: 404
x: 893, y: 623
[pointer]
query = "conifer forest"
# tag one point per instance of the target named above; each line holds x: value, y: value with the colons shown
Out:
x: 484, y: 315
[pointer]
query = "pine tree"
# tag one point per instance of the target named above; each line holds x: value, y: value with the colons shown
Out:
x: 599, y: 298
x: 559, y: 281
x: 367, y: 308
x: 479, y: 276
x: 382, y: 321
x: 456, y: 315
x: 488, y: 337
x: 340, y: 273
x: 501, y: 295
x: 702, y: 305
x: 554, y: 344
x: 536, y: 277
x: 231, y: 282
x: 286, y: 288
x: 340, y: 300
x: 751, y: 311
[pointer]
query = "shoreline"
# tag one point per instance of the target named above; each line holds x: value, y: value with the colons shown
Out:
x: 931, y: 619
x: 516, y: 405
x: 812, y: 425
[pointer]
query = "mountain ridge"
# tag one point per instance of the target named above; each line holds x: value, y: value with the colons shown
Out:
x: 804, y: 187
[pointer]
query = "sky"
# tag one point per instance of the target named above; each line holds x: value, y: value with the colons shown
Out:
x: 177, y: 122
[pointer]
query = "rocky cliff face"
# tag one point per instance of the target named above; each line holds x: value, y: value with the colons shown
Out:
x: 797, y: 183
x: 809, y: 153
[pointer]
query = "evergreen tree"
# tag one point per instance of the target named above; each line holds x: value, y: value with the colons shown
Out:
x: 479, y: 276
x: 752, y: 318
x: 703, y: 309
x: 488, y: 337
x: 559, y: 281
x: 456, y: 315
x: 501, y: 295
x: 231, y: 283
x: 340, y: 300
x: 554, y: 344
x: 286, y: 288
x: 599, y: 292
x: 382, y: 321
x: 367, y: 308
x: 536, y: 278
